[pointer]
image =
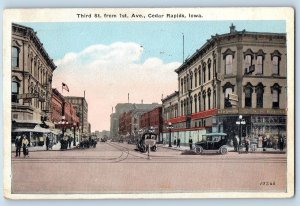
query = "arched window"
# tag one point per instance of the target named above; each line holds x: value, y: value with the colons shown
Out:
x: 228, y: 88
x: 15, y: 85
x: 199, y: 101
x: 228, y: 64
x: 259, y: 63
x: 199, y: 71
x: 204, y: 73
x: 181, y: 106
x: 208, y: 68
x: 275, y: 63
x: 248, y: 94
x: 195, y: 100
x: 208, y: 98
x: 182, y: 88
x: 15, y: 57
x: 259, y: 89
x: 196, y: 81
x: 204, y: 97
x: 191, y: 83
x: 275, y: 90
x: 214, y: 99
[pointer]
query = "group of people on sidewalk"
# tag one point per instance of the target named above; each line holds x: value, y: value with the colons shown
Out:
x: 22, y: 142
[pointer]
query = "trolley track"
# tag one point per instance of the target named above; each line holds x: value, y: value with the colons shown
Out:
x: 129, y: 155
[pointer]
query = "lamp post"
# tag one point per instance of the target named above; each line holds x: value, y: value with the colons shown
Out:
x: 240, y: 122
x: 170, y: 127
x: 63, y: 123
x: 74, y: 128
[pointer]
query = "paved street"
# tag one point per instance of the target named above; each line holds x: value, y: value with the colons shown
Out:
x: 117, y: 167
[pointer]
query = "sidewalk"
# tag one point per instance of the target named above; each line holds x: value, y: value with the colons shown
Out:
x: 230, y: 149
x: 55, y: 147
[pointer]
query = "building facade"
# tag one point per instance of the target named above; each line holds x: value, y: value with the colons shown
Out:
x: 152, y: 120
x: 233, y: 74
x: 31, y: 75
x: 81, y: 106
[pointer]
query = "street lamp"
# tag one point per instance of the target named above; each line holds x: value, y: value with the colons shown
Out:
x: 240, y: 122
x: 63, y: 123
x: 170, y: 127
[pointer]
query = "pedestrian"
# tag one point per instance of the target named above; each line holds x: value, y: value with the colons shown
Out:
x: 281, y: 143
x: 18, y: 144
x: 264, y: 143
x: 178, y: 142
x: 247, y: 145
x: 236, y: 143
x: 47, y: 142
x: 175, y: 141
x: 191, y: 143
x: 69, y: 141
x: 25, y: 146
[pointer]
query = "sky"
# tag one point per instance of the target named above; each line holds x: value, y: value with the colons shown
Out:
x: 108, y: 60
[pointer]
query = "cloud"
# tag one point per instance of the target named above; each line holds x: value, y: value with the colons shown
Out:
x: 109, y: 72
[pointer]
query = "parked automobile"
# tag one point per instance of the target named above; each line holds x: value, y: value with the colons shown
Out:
x: 212, y: 142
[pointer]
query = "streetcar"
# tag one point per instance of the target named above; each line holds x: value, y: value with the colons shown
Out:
x: 148, y: 139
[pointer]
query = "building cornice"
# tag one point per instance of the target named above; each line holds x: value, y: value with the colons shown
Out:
x: 30, y: 34
x: 217, y: 39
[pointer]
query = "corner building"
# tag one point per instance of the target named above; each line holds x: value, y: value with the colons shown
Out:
x: 233, y: 74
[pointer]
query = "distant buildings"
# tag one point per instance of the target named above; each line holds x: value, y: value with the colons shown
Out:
x: 125, y: 120
x: 81, y: 107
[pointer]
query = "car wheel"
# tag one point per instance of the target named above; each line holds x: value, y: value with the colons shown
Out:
x: 199, y: 150
x: 223, y: 150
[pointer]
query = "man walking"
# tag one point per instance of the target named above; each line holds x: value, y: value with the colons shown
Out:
x: 25, y: 146
x: 178, y: 142
x: 191, y: 143
x: 47, y: 142
x: 281, y: 143
x: 18, y: 144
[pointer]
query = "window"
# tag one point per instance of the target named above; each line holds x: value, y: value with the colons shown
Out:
x: 195, y: 100
x: 259, y: 65
x: 14, y: 91
x: 182, y: 86
x: 275, y: 99
x: 275, y: 63
x: 259, y: 96
x: 191, y: 77
x: 204, y: 75
x: 248, y: 63
x: 199, y: 101
x: 196, y: 81
x: 248, y: 95
x: 203, y: 97
x: 228, y: 64
x: 275, y: 57
x: 15, y: 57
x: 208, y: 68
x: 199, y: 70
x: 275, y: 90
x: 227, y: 92
x: 208, y: 99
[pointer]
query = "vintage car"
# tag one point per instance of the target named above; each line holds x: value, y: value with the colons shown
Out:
x: 147, y: 139
x: 212, y: 142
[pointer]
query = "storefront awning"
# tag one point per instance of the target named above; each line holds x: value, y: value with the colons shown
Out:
x: 37, y: 129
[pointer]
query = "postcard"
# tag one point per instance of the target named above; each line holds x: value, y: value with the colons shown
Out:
x: 155, y: 103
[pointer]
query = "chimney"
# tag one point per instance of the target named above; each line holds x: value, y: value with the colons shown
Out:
x: 142, y: 101
x: 232, y: 28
